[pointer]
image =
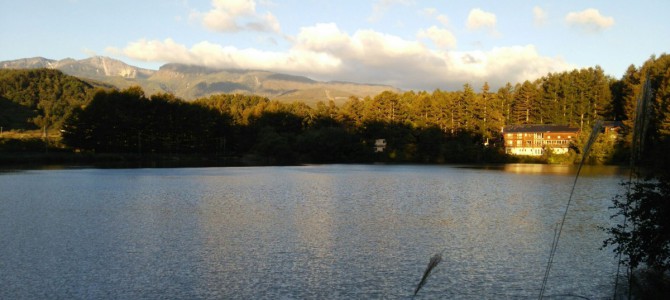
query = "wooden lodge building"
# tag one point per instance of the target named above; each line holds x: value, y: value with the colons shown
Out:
x: 534, y: 139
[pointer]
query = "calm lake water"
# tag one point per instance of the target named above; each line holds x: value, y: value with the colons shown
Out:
x: 310, y: 232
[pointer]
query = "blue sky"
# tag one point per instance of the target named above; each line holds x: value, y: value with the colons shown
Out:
x: 410, y: 44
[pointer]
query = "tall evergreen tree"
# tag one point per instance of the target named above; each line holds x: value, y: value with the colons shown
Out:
x: 352, y: 112
x: 505, y: 99
x: 525, y: 106
x: 550, y: 104
x: 469, y: 109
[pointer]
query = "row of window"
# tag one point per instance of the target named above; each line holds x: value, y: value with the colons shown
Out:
x: 519, y: 143
x: 526, y: 151
x: 537, y: 135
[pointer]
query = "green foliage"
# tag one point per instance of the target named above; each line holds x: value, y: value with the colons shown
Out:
x: 21, y: 145
x: 273, y: 146
x: 240, y: 107
x: 643, y: 237
x: 48, y: 96
x: 15, y: 116
x: 551, y: 157
x: 128, y: 122
x: 330, y: 145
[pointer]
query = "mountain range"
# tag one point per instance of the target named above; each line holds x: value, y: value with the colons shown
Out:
x: 190, y: 82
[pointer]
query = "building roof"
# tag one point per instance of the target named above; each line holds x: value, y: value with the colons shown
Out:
x: 539, y: 128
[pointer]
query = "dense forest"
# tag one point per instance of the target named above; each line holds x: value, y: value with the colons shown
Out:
x: 427, y: 127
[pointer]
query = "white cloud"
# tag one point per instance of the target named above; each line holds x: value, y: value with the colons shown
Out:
x: 443, y: 19
x: 325, y: 52
x: 589, y: 20
x: 214, y: 55
x: 381, y: 6
x: 271, y: 20
x: 429, y: 12
x: 539, y: 16
x: 323, y: 37
x: 442, y: 38
x: 478, y: 19
x: 237, y: 15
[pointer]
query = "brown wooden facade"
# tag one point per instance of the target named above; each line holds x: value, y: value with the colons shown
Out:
x: 535, y: 139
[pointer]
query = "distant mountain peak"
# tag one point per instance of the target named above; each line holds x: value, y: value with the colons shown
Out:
x: 95, y: 67
x: 193, y: 81
x: 28, y: 63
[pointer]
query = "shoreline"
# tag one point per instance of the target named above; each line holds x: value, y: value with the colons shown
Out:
x: 66, y: 159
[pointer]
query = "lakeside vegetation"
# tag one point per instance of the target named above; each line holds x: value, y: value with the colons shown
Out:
x: 69, y: 114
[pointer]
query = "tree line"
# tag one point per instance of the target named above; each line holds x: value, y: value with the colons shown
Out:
x: 127, y: 121
x: 419, y: 126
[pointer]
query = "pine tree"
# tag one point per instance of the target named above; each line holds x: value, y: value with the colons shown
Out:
x: 505, y: 99
x: 525, y: 106
x: 469, y: 109
x: 550, y: 104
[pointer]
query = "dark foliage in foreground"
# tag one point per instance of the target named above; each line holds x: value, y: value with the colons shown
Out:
x: 642, y: 239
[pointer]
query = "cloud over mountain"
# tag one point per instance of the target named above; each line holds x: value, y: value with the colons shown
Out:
x: 324, y: 51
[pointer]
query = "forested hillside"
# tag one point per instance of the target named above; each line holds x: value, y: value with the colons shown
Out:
x: 39, y: 98
x: 419, y: 126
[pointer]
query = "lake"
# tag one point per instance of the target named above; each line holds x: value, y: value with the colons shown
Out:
x: 305, y: 232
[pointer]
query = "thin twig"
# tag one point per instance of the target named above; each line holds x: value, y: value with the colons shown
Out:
x: 587, y: 148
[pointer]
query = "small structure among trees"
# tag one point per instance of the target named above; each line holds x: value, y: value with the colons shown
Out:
x: 380, y: 145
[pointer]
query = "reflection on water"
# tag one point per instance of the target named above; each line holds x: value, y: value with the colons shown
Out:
x: 556, y: 169
x: 302, y: 232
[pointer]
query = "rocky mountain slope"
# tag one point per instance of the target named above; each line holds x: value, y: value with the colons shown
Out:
x: 192, y: 82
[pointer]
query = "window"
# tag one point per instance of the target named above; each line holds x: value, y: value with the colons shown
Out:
x: 510, y: 143
x: 509, y: 135
x: 559, y: 136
